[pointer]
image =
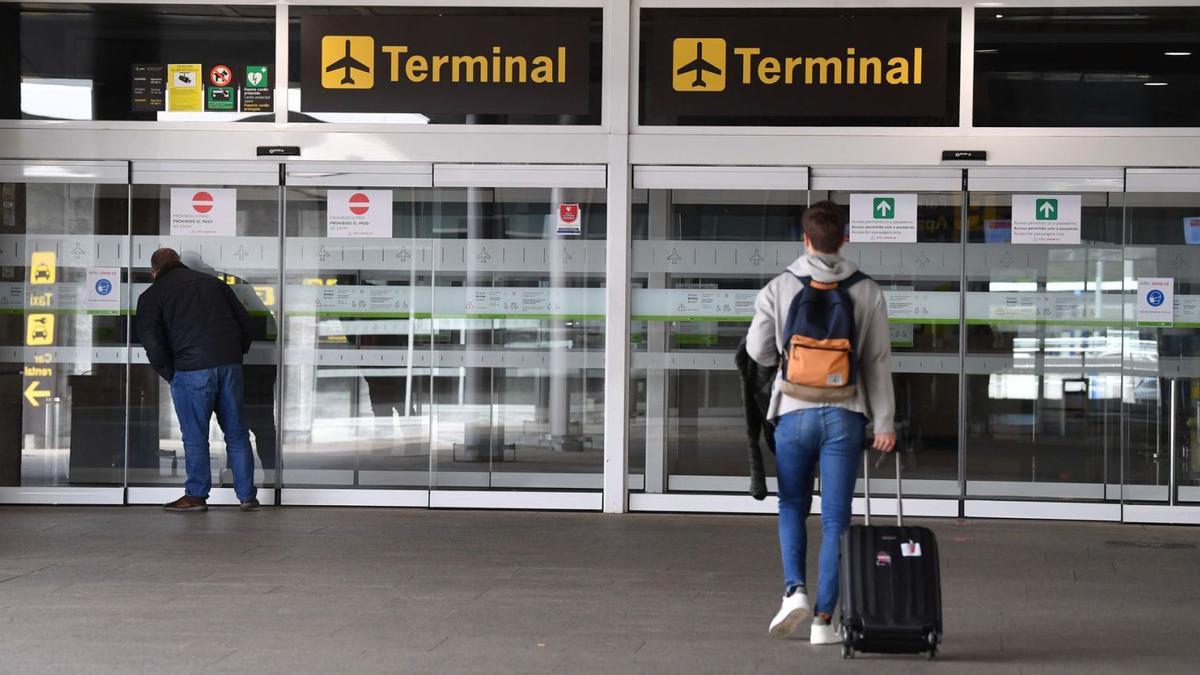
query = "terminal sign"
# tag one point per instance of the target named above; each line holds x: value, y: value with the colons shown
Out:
x: 791, y: 64
x: 447, y: 63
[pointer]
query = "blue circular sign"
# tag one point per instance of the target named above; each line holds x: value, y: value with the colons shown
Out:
x: 1155, y: 298
x: 104, y: 287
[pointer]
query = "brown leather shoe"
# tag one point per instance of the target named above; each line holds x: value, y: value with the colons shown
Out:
x: 186, y: 504
x: 251, y: 505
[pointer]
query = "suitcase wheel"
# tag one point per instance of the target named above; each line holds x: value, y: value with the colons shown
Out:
x: 933, y: 645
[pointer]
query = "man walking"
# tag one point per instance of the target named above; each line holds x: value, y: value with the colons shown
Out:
x: 821, y: 401
x: 195, y: 332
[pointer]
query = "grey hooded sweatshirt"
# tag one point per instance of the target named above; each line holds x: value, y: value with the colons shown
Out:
x: 874, y: 395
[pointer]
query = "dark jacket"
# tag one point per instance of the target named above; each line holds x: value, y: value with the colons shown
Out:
x: 189, y: 320
x: 757, y: 382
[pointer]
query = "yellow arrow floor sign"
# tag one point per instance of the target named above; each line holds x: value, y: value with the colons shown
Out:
x: 34, y: 395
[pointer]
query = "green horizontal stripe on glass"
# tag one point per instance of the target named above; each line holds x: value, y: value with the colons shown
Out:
x: 532, y: 317
x: 1044, y: 322
x: 66, y: 312
x: 710, y: 319
x: 361, y: 315
x: 924, y: 321
x: 748, y: 319
x: 1155, y: 324
x: 428, y: 315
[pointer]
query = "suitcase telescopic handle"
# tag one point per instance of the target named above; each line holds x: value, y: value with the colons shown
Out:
x: 867, y: 487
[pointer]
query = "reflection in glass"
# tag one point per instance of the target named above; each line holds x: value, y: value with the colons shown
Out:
x: 62, y: 373
x: 463, y: 351
x: 249, y: 263
x: 1043, y: 365
x: 1162, y: 380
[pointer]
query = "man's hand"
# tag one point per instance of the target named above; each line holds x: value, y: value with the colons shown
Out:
x: 885, y: 442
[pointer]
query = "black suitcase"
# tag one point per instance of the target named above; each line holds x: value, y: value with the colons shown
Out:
x: 891, y: 585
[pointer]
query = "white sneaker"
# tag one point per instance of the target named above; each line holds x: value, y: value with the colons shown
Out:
x: 792, y: 613
x: 824, y: 634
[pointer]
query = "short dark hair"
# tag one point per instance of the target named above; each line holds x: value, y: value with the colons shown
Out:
x: 825, y: 225
x: 163, y: 257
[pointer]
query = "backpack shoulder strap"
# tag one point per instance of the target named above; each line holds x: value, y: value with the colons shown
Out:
x: 849, y: 281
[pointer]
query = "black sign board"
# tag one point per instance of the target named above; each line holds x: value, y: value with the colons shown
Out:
x: 964, y: 155
x: 445, y: 64
x: 148, y: 87
x: 792, y: 64
x: 278, y: 150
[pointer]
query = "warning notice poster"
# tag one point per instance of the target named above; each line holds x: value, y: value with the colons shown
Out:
x: 359, y: 213
x: 185, y: 90
x: 204, y: 211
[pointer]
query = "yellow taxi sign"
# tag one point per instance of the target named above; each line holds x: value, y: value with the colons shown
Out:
x: 347, y: 62
x: 39, y: 330
x: 43, y: 266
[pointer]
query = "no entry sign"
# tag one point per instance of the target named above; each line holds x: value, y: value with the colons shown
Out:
x: 359, y: 213
x: 204, y: 212
x: 359, y: 204
x: 202, y: 202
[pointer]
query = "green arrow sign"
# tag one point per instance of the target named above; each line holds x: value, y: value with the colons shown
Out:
x: 884, y: 207
x: 1046, y: 209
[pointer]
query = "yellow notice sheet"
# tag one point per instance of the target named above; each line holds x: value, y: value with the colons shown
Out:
x: 185, y: 92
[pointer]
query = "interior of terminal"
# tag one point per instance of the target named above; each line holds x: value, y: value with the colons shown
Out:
x: 473, y: 285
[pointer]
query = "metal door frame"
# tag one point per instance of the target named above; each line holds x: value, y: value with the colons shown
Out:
x: 519, y: 494
x: 720, y: 494
x: 84, y: 172
x: 249, y: 173
x: 1019, y: 180
x: 1150, y: 180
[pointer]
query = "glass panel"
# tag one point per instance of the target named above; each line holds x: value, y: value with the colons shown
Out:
x: 688, y: 420
x: 425, y: 62
x: 248, y: 260
x: 463, y: 351
x: 113, y: 62
x: 921, y: 282
x: 358, y: 341
x: 697, y: 266
x: 1057, y: 67
x: 1162, y: 377
x: 62, y: 347
x: 519, y: 338
x: 1043, y: 367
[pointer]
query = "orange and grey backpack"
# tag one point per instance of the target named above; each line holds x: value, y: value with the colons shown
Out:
x: 820, y: 359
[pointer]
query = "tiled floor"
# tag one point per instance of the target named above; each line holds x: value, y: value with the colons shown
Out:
x: 368, y: 590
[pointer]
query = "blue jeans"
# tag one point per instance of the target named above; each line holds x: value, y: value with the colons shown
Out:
x: 833, y: 437
x: 197, y: 395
